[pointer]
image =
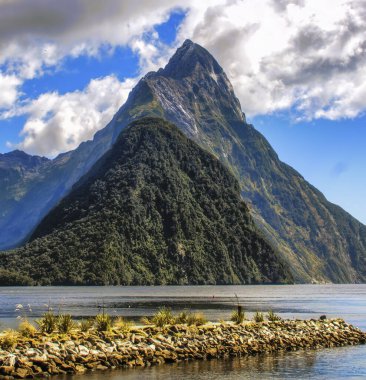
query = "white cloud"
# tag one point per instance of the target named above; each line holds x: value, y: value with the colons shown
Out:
x: 307, y: 55
x: 58, y: 123
x: 8, y: 90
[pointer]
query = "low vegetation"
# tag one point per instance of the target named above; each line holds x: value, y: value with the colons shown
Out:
x: 8, y: 339
x: 258, y: 317
x: 273, y: 317
x: 51, y: 323
x: 238, y: 316
x: 48, y: 323
x: 27, y: 329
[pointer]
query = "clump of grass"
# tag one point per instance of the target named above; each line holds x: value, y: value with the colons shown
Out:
x: 65, y: 323
x: 238, y: 316
x: 48, y: 323
x: 27, y: 329
x: 182, y: 317
x: 146, y: 321
x: 9, y: 339
x: 122, y: 325
x: 273, y: 317
x: 86, y: 325
x: 258, y: 317
x: 103, y: 322
x: 196, y: 319
x: 163, y: 317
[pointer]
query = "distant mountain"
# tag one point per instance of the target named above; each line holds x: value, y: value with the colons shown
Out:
x: 17, y: 172
x: 320, y: 241
x: 156, y: 209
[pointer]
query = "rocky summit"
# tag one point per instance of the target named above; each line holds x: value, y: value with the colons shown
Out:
x: 318, y: 240
x: 155, y: 209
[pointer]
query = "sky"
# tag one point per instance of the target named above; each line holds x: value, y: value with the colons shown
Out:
x: 298, y: 68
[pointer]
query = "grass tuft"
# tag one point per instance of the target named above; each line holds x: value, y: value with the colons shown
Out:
x: 85, y: 325
x: 196, y: 319
x: 9, y: 339
x: 48, y: 323
x: 65, y: 323
x: 163, y: 317
x: 27, y: 329
x: 273, y: 317
x: 258, y: 317
x: 237, y: 316
x: 103, y: 322
x: 122, y: 325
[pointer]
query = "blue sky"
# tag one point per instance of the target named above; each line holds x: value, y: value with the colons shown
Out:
x: 298, y: 75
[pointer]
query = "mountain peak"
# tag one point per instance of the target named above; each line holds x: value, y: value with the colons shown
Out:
x: 187, y: 58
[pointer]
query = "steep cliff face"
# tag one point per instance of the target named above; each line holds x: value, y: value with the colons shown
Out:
x: 320, y: 240
x: 156, y: 209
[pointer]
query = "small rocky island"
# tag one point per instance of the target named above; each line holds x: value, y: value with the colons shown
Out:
x: 41, y: 354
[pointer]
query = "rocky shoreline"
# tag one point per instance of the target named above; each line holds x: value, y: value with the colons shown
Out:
x: 46, y: 355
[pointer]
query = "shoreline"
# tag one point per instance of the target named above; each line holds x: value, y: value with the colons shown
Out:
x: 45, y: 355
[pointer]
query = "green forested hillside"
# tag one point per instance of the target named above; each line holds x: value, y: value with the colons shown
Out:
x: 156, y: 209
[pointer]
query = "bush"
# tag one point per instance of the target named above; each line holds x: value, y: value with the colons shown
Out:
x: 258, y: 317
x: 48, y: 322
x: 26, y: 329
x: 65, y: 323
x: 163, y: 317
x: 273, y: 317
x: 8, y: 339
x: 103, y: 322
x: 238, y: 316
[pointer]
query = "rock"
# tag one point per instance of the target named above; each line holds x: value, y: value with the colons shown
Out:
x: 22, y: 373
x: 6, y: 370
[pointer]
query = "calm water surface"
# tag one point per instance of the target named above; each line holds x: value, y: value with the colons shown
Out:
x: 294, y: 301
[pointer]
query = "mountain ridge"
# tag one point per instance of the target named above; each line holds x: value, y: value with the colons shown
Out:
x: 155, y: 209
x: 320, y: 241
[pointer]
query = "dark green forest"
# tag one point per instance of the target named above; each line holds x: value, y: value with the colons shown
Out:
x: 155, y: 209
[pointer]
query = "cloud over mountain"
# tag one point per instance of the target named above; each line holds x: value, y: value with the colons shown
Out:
x: 302, y: 56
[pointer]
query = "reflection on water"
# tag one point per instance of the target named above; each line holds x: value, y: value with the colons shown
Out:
x: 337, y: 363
x: 292, y: 301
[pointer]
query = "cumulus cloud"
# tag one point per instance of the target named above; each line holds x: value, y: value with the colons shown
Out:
x: 38, y: 34
x: 9, y: 90
x: 303, y: 55
x: 308, y: 55
x: 58, y: 123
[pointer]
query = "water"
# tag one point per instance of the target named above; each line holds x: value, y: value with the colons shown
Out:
x: 293, y: 301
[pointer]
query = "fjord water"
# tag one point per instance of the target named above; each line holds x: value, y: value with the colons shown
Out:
x: 292, y: 301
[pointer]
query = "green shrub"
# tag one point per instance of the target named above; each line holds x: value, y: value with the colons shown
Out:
x: 258, y: 317
x: 48, y: 322
x: 103, y: 322
x: 65, y: 323
x: 273, y: 317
